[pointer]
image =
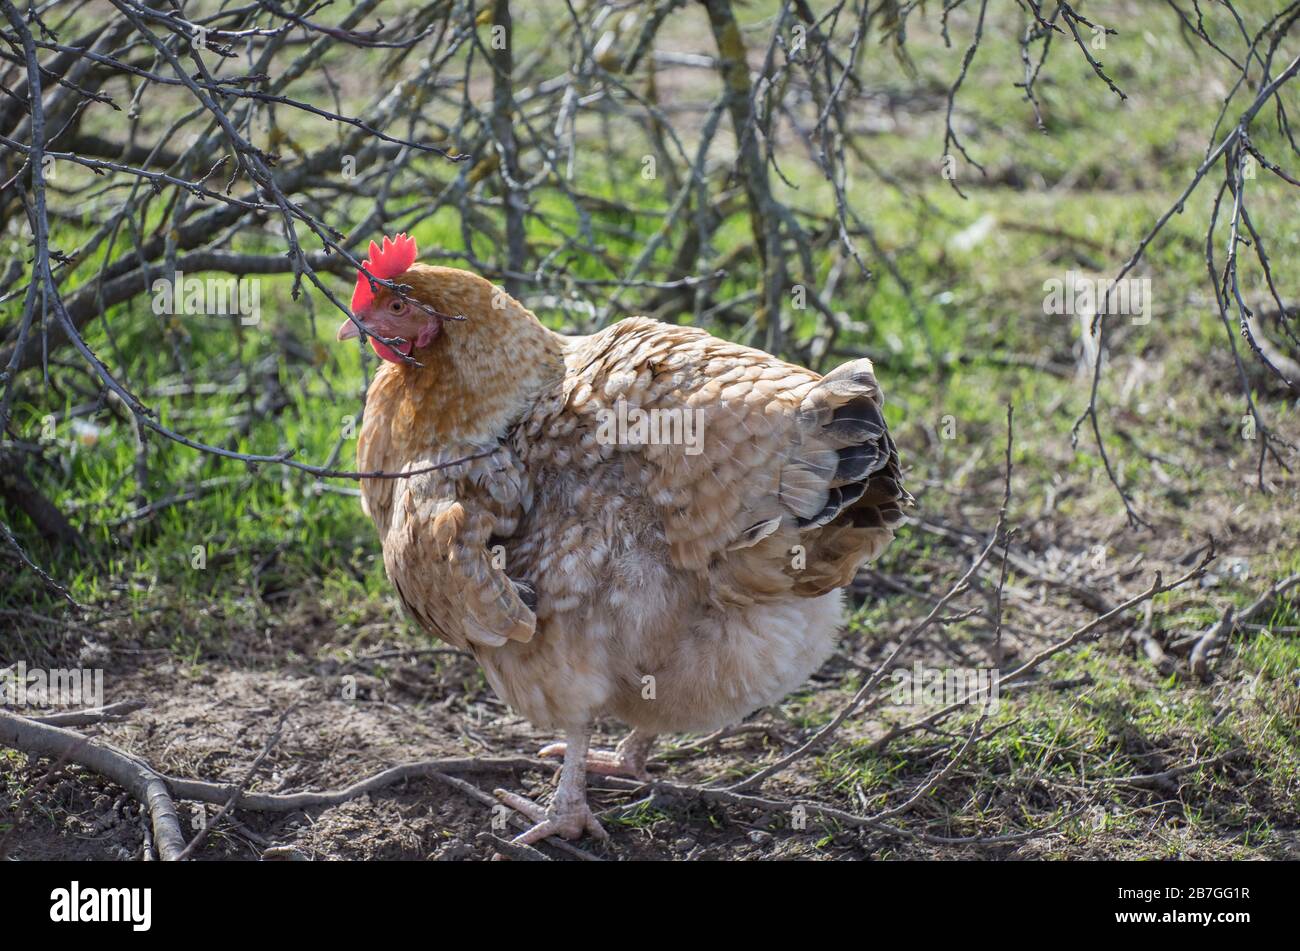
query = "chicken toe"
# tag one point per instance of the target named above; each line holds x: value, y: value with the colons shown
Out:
x: 568, y: 823
x: 628, y: 759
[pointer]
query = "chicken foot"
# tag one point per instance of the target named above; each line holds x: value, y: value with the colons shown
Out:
x: 627, y: 759
x: 568, y: 814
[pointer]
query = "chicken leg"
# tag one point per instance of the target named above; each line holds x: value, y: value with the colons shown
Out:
x: 568, y: 815
x: 627, y: 759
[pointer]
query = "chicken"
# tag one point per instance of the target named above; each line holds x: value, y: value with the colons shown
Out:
x: 648, y: 523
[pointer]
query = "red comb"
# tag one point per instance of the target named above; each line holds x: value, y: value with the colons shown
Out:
x: 387, y: 262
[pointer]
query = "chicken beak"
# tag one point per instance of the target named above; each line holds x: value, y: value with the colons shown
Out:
x: 347, y: 330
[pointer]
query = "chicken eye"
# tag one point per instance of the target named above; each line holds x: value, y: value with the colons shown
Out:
x: 396, y: 306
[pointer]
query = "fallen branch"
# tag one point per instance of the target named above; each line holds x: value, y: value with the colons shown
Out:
x: 111, y: 713
x: 156, y: 790
x: 133, y: 775
x: 1229, y: 623
x: 1165, y: 777
x: 201, y: 791
x: 1200, y: 658
x: 1266, y: 599
x: 512, y: 849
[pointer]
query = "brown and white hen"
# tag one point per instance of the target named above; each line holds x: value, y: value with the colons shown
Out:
x: 655, y: 527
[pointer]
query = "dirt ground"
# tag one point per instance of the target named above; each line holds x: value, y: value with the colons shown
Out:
x: 409, y: 704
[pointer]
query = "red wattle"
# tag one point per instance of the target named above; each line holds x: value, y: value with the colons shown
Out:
x: 388, y: 353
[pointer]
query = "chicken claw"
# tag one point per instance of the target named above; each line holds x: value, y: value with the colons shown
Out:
x: 567, y: 823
